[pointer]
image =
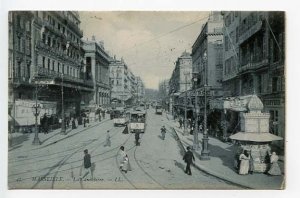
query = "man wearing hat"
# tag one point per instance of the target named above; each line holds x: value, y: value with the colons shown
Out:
x: 188, y: 158
x: 87, y: 164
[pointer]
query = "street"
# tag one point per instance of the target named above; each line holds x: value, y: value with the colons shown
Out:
x: 57, y: 163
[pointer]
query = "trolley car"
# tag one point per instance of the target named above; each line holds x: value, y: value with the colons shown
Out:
x: 158, y: 109
x: 137, y: 121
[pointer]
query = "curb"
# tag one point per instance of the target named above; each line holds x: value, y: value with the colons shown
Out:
x: 209, y: 172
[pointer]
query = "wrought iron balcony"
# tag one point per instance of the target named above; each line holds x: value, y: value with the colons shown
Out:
x: 253, y: 65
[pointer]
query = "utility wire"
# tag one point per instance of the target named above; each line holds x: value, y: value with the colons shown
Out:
x: 167, y: 33
x: 273, y: 35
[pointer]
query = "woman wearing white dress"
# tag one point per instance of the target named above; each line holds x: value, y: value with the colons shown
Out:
x: 244, y: 166
x: 274, y: 170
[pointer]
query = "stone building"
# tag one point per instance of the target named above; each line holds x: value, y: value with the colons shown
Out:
x: 123, y: 82
x: 254, y: 61
x: 207, y: 58
x: 45, y: 50
x: 180, y: 82
x: 140, y: 89
x: 97, y: 63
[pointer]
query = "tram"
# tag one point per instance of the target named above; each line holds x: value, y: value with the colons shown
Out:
x: 158, y: 109
x: 137, y: 121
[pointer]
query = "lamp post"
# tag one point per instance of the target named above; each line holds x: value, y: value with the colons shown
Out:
x: 185, y: 131
x: 36, y: 108
x: 196, y: 139
x: 63, y: 126
x: 205, y: 151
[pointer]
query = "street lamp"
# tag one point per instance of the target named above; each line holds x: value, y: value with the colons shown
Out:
x: 36, y: 109
x: 205, y: 151
x: 185, y: 131
x: 196, y: 140
x: 63, y: 126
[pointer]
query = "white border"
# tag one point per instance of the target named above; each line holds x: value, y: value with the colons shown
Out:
x: 292, y: 75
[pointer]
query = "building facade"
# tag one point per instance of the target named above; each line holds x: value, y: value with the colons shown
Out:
x: 125, y: 86
x: 140, y: 89
x: 46, y: 60
x: 254, y: 61
x: 207, y: 58
x: 180, y: 82
x: 97, y: 63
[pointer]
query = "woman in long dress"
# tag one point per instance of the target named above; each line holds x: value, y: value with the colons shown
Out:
x: 244, y: 166
x: 108, y: 142
x: 275, y: 169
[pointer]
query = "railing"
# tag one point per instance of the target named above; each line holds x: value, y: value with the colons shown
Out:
x: 252, y: 65
x: 54, y: 74
x: 60, y: 53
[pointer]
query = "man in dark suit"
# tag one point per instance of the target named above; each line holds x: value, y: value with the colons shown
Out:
x: 188, y: 158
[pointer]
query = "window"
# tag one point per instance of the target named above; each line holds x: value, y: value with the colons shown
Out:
x: 53, y: 63
x: 44, y: 62
x: 275, y: 82
x: 274, y: 115
x: 63, y: 69
x: 58, y: 65
x: 19, y: 43
x: 48, y: 63
x: 226, y: 43
x: 44, y: 38
x: 49, y: 41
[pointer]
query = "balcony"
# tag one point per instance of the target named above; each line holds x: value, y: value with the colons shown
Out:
x: 246, y: 31
x: 54, y: 75
x: 251, y: 65
x: 54, y: 51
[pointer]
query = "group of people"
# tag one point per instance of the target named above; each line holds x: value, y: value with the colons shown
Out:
x: 246, y: 166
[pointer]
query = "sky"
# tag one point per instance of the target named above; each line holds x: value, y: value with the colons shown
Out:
x: 149, y: 42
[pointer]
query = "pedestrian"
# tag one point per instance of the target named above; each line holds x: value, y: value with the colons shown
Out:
x: 87, y: 164
x: 73, y: 123
x: 274, y: 169
x: 251, y: 164
x: 244, y: 165
x: 125, y: 164
x: 84, y: 122
x: 201, y: 128
x: 180, y: 123
x: 124, y: 161
x: 188, y: 158
x: 163, y: 132
x: 108, y: 142
x: 103, y: 113
x: 137, y: 138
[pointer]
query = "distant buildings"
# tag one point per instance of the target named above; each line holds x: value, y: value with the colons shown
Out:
x: 180, y: 82
x: 125, y: 87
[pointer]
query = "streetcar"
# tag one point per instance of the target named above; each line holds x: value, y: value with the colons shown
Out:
x: 137, y: 121
x: 120, y: 118
x: 158, y: 109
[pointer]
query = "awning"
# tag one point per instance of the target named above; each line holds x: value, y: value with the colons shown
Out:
x: 255, y: 137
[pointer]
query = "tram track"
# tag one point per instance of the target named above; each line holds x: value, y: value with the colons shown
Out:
x: 137, y: 162
x: 63, y: 160
x: 96, y: 147
x: 208, y: 174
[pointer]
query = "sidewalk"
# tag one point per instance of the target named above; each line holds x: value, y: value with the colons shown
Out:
x: 24, y: 140
x: 221, y: 163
